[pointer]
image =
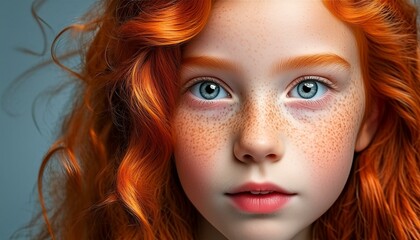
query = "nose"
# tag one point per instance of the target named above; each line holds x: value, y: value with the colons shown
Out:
x: 259, y: 138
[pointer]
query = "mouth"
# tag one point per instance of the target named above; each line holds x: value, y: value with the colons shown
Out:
x: 260, y: 192
x: 255, y: 198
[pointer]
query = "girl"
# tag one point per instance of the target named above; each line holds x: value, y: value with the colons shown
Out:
x: 240, y: 120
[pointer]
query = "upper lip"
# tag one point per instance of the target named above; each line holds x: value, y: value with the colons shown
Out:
x: 259, y: 187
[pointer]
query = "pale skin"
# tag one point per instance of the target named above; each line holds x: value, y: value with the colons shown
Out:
x: 258, y: 128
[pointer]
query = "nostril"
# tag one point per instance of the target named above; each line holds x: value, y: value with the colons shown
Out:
x: 248, y: 157
x: 266, y: 151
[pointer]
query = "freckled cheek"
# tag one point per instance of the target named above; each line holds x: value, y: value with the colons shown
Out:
x: 332, y: 143
x: 329, y: 147
x: 329, y: 166
x: 200, y: 146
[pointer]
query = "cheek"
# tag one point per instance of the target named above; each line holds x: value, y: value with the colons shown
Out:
x: 329, y: 144
x: 199, y: 142
x: 329, y: 165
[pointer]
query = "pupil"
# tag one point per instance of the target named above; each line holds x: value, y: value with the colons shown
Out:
x: 306, y: 88
x: 210, y: 88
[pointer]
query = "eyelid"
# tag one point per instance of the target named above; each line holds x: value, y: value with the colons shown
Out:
x: 311, y: 103
x: 328, y: 83
x: 196, y: 80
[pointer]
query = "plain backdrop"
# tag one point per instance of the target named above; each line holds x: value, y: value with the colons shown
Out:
x: 22, y: 145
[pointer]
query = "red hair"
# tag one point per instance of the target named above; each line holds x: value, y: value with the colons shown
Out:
x: 116, y: 145
x: 381, y: 198
x: 115, y: 151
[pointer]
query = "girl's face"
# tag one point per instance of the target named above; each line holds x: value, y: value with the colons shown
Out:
x: 268, y: 119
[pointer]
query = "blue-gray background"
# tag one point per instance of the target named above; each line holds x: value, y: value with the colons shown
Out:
x: 21, y: 144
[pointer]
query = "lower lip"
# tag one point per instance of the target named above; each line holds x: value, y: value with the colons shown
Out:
x: 260, y: 203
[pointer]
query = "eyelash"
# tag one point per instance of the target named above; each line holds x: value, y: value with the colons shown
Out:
x: 312, y: 103
x: 198, y: 80
x: 202, y: 79
x: 330, y: 85
x: 327, y: 83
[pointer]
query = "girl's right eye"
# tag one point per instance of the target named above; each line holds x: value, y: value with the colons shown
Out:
x: 209, y: 90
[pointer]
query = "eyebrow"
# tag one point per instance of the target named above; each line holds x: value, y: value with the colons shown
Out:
x: 212, y: 62
x: 284, y: 64
x: 310, y: 61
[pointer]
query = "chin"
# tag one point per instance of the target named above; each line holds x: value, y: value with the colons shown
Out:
x: 271, y: 232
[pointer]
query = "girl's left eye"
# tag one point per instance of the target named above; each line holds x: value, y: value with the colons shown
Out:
x: 309, y: 89
x: 209, y: 90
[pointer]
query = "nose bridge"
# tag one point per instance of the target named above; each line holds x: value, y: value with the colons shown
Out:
x: 257, y: 118
x: 259, y: 137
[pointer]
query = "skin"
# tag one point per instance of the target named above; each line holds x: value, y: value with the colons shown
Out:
x: 258, y: 129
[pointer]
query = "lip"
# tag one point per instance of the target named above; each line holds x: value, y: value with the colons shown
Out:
x: 259, y: 198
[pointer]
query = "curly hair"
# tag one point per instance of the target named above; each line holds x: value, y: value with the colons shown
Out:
x: 116, y: 144
x: 381, y: 198
x: 114, y: 177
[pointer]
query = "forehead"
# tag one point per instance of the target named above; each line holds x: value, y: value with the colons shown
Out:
x: 286, y: 27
